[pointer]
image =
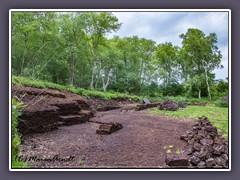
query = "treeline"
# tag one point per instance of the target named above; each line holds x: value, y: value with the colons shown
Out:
x: 73, y: 49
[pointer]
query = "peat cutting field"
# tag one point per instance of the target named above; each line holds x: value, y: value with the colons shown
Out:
x: 64, y: 130
x: 140, y: 143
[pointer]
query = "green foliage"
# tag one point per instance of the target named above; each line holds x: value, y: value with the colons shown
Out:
x: 166, y: 57
x: 72, y: 48
x: 173, y: 89
x: 219, y: 89
x: 16, y: 139
x: 217, y: 115
x: 220, y: 103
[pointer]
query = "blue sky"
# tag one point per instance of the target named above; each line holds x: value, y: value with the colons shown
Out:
x: 164, y: 27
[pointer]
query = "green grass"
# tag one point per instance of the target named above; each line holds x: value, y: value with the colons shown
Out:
x: 23, y: 81
x: 217, y: 115
x: 181, y: 99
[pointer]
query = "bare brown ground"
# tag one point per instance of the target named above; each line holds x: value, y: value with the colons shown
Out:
x: 140, y: 143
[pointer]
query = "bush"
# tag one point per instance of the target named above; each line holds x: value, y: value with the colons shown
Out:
x: 220, y: 103
x: 16, y: 138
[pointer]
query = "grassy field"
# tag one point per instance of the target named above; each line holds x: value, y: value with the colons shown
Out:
x: 217, y: 115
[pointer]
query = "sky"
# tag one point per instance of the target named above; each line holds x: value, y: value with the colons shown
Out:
x: 164, y: 27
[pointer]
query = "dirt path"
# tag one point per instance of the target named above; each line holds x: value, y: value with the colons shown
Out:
x: 140, y: 143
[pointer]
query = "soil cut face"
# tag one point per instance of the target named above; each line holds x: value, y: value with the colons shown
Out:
x: 140, y: 143
x: 45, y: 109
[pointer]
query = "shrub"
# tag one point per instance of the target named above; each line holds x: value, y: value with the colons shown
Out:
x: 16, y: 138
x: 220, y: 103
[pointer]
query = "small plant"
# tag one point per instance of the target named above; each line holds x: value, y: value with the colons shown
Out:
x: 169, y: 151
x: 178, y: 151
x: 170, y: 146
x: 80, y: 162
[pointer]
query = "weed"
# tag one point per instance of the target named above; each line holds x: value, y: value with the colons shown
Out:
x: 80, y: 162
x: 178, y: 151
x: 169, y: 151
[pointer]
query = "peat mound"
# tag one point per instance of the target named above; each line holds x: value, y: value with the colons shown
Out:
x: 169, y: 105
x: 46, y: 109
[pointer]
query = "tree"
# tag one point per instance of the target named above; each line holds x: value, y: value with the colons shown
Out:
x: 98, y: 24
x: 109, y: 57
x: 202, y: 55
x: 166, y: 56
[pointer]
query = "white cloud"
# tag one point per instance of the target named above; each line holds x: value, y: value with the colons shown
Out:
x: 223, y: 73
x: 164, y: 27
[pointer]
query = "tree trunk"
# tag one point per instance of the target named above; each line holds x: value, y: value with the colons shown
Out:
x: 208, y: 87
x: 93, y: 74
x: 23, y: 61
x: 24, y: 54
x: 199, y: 93
x: 72, y: 69
x: 98, y: 68
x: 93, y: 67
x: 105, y: 85
x: 169, y: 76
x: 141, y: 71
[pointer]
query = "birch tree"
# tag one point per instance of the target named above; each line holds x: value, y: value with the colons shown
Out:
x: 202, y: 55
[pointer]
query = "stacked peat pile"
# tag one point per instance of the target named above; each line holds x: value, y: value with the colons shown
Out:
x: 46, y: 109
x: 168, y: 105
x: 205, y: 147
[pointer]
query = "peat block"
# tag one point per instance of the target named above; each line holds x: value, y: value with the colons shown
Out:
x: 108, y: 128
x: 73, y: 119
x: 177, y: 160
x: 146, y: 106
x: 108, y: 108
x: 66, y: 108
